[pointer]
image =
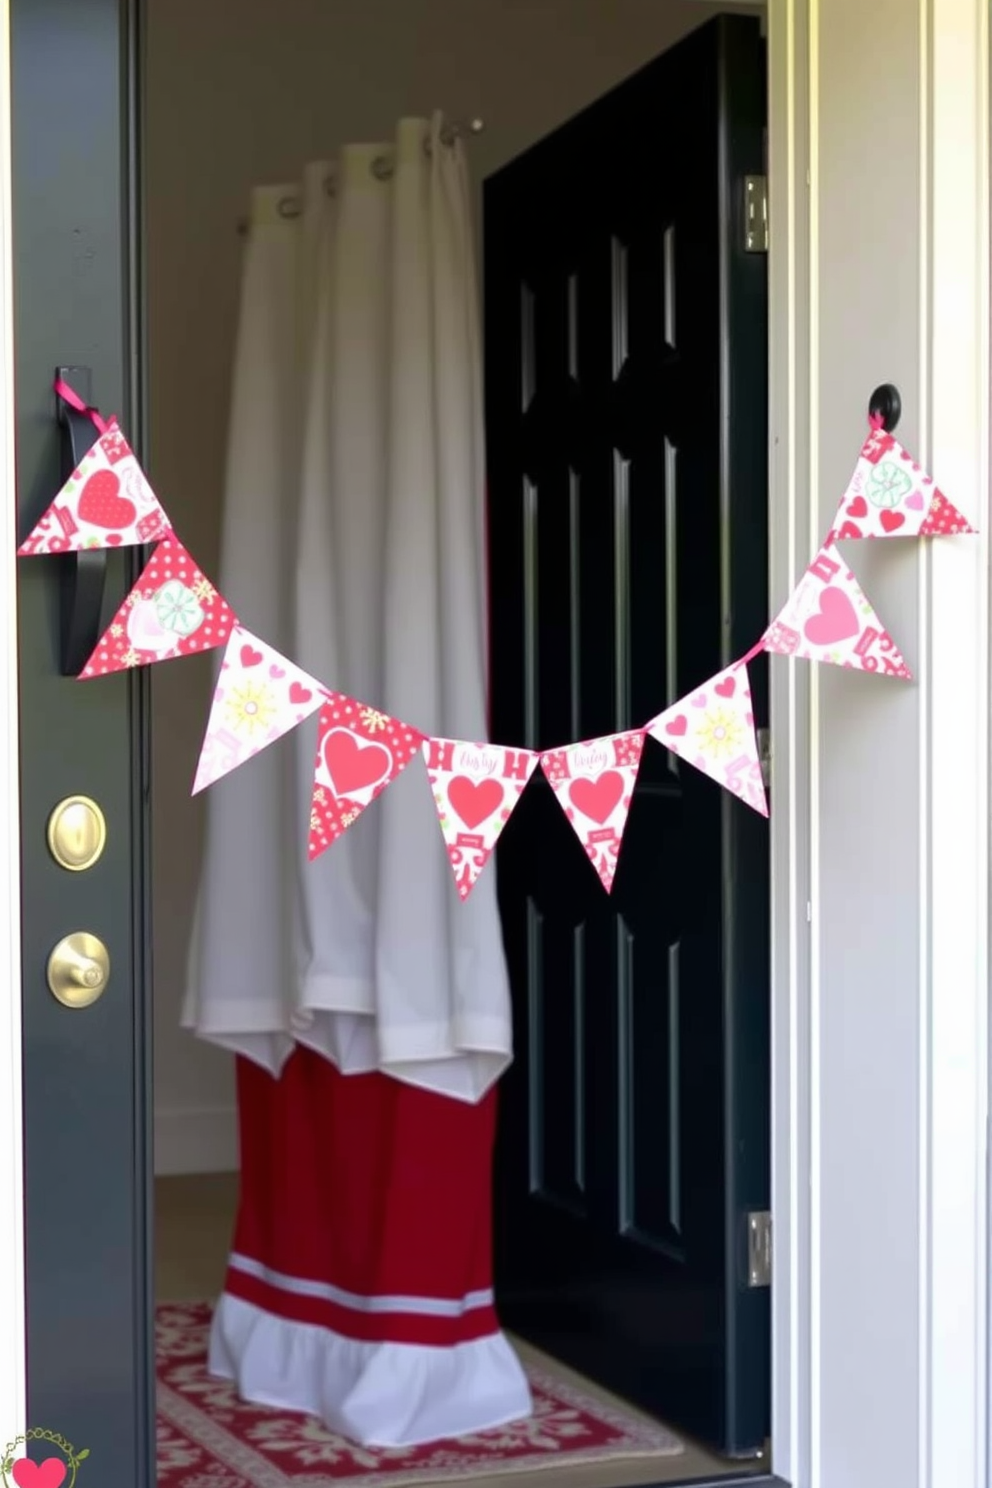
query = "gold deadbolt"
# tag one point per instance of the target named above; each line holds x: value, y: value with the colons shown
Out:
x: 77, y: 833
x: 78, y: 970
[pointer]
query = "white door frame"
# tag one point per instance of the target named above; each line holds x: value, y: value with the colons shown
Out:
x: 879, y: 1033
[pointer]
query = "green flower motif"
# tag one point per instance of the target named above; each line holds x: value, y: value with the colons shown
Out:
x: 888, y: 484
x: 178, y: 609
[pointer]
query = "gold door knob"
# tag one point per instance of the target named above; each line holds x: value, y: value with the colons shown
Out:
x: 78, y: 970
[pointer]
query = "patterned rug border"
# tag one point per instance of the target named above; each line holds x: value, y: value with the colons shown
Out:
x: 642, y: 1438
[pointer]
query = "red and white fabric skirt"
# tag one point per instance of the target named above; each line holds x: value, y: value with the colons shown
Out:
x: 359, y: 1288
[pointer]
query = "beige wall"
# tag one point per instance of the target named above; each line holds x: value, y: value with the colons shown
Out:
x: 242, y: 92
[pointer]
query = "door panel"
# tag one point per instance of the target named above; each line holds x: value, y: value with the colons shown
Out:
x: 86, y: 1072
x: 626, y: 427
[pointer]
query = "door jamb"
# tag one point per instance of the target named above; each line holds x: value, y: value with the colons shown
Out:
x: 13, y: 1364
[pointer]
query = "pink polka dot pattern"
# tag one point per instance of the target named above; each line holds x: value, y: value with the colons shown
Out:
x: 943, y: 519
x: 359, y: 752
x: 173, y: 610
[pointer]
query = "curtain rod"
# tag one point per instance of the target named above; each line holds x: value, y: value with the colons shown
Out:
x: 381, y: 167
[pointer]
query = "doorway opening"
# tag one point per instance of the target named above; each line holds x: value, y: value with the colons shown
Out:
x: 623, y: 322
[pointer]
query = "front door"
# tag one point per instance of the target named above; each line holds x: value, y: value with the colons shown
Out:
x: 626, y: 425
x: 86, y: 1071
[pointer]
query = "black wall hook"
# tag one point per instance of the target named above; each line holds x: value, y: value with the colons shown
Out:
x: 886, y: 404
x: 83, y: 574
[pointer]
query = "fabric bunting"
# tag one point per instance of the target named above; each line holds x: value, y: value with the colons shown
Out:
x: 476, y: 787
x: 173, y: 610
x: 260, y: 695
x: 359, y: 751
x: 594, y: 782
x: 713, y: 729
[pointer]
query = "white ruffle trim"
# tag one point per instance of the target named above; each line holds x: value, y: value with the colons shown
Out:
x: 377, y: 1394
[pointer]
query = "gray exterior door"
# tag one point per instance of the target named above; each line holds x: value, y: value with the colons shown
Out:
x: 86, y: 1071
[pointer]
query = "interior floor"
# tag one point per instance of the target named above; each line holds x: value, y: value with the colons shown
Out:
x: 194, y: 1216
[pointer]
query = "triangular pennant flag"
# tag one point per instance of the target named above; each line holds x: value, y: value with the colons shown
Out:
x: 889, y: 495
x: 713, y: 729
x: 476, y: 787
x: 594, y: 782
x: 173, y: 610
x: 260, y: 695
x: 828, y: 618
x: 943, y: 519
x: 359, y: 752
x: 105, y: 503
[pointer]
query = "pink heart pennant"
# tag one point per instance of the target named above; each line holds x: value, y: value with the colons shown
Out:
x: 594, y: 782
x: 828, y: 618
x: 359, y: 752
x: 105, y: 503
x: 476, y: 787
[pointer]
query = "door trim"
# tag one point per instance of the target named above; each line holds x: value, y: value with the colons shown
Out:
x: 950, y: 385
x: 13, y: 1404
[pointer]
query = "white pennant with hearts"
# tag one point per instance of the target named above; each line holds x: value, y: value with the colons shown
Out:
x: 476, y: 787
x: 594, y: 782
x: 713, y: 729
x: 260, y: 695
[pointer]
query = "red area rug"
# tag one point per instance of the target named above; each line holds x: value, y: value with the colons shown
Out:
x: 208, y: 1438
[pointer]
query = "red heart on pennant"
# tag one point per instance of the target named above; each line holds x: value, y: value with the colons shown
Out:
x: 857, y: 508
x: 250, y: 657
x: 353, y: 765
x: 727, y: 687
x: 678, y: 726
x: 891, y: 520
x: 47, y: 1474
x: 835, y: 620
x: 597, y: 798
x: 474, y: 800
x: 298, y: 694
x: 848, y: 529
x: 102, y: 505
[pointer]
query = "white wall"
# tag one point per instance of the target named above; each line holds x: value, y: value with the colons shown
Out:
x: 242, y: 92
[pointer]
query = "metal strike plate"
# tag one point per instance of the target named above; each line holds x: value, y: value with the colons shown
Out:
x: 756, y: 214
x: 759, y: 1248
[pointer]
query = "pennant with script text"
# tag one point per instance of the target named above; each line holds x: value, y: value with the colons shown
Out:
x: 359, y: 751
x: 594, y: 782
x: 476, y: 787
x: 713, y: 729
x: 828, y: 618
x: 260, y: 695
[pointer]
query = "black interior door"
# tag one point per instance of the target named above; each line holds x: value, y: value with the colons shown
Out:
x: 626, y: 425
x: 86, y: 1070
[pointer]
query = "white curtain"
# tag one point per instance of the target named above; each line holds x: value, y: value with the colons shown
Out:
x: 369, y: 1007
x: 353, y: 540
